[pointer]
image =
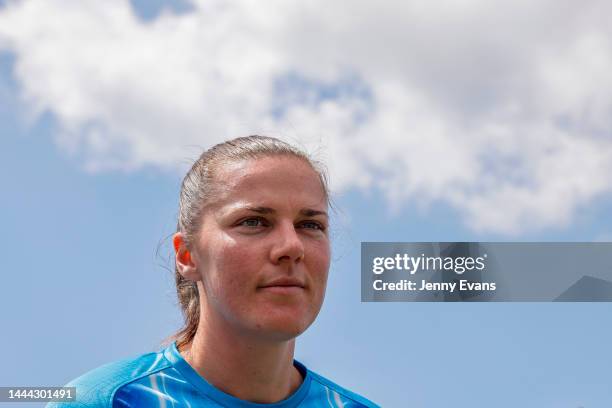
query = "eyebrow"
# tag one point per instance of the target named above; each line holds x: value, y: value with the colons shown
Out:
x: 307, y: 212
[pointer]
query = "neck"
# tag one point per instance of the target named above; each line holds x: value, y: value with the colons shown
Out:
x: 245, y: 367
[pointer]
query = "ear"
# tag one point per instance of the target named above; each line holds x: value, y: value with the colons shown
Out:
x: 184, y: 261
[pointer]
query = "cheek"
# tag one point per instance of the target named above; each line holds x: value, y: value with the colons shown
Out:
x: 233, y: 266
x: 320, y: 256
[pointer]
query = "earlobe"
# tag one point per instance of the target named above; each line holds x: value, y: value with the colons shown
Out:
x: 184, y: 262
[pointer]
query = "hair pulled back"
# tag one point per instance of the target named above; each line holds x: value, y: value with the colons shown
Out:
x: 197, y: 191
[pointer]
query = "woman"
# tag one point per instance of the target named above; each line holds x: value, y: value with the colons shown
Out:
x: 252, y: 255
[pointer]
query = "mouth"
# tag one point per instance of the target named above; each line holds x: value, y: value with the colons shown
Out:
x: 282, y: 290
x: 283, y: 286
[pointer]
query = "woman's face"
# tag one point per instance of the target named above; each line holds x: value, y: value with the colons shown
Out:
x: 263, y: 249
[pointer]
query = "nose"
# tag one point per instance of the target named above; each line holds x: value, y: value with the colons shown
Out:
x: 287, y: 246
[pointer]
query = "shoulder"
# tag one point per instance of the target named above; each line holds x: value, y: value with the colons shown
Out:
x: 337, y: 395
x: 97, y: 387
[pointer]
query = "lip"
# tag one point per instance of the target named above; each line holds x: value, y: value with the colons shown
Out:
x: 282, y: 290
x: 284, y: 283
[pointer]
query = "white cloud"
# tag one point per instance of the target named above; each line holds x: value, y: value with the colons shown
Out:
x: 500, y: 109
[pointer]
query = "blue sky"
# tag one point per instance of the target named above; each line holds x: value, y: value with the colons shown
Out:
x: 88, y: 199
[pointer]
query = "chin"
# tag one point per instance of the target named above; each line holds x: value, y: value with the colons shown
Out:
x: 282, y: 329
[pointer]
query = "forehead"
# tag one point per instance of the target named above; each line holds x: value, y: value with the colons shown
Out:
x: 270, y: 181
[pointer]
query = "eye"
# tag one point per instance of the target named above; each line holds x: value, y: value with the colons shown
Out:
x: 252, y: 222
x: 315, y: 225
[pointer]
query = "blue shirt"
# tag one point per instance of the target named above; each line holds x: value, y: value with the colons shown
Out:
x: 165, y: 379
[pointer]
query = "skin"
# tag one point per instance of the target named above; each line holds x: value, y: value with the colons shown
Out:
x: 260, y: 261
